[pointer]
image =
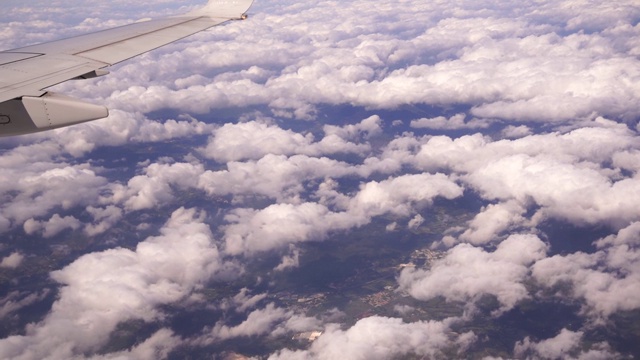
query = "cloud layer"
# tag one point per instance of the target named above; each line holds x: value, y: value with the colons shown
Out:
x: 479, y: 128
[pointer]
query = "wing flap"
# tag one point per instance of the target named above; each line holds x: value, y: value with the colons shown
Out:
x: 9, y: 57
x: 29, y: 76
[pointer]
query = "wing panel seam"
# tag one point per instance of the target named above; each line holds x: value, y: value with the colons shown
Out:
x: 189, y: 20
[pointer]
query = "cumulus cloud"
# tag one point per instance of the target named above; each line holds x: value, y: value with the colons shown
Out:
x: 415, y: 222
x: 104, y: 288
x: 367, y: 128
x: 12, y: 261
x: 104, y: 219
x: 398, y: 195
x: 467, y: 273
x: 277, y: 225
x: 157, y: 346
x: 452, y: 123
x: 506, y: 64
x: 269, y: 320
x: 291, y: 260
x: 547, y: 87
x: 53, y: 226
x: 513, y: 132
x: 121, y: 128
x: 563, y: 174
x: 376, y: 338
x: 253, y: 140
x: 155, y: 186
x: 607, y: 280
x: 36, y: 193
x: 533, y: 62
x: 565, y: 345
x: 556, y: 347
x: 273, y: 176
x: 493, y: 220
x: 50, y: 183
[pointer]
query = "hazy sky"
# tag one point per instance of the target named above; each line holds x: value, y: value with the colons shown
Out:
x: 533, y: 109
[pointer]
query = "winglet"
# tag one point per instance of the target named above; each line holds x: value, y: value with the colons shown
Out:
x: 228, y: 9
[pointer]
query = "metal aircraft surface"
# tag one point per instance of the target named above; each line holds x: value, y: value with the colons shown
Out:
x: 25, y: 73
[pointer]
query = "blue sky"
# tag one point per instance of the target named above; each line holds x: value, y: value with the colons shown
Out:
x: 317, y: 118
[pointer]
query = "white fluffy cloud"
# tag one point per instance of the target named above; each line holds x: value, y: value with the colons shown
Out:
x: 253, y: 140
x: 467, y: 273
x: 556, y: 347
x: 157, y: 346
x: 454, y: 122
x: 104, y: 219
x: 278, y: 225
x: 53, y: 226
x: 270, y: 320
x: 104, y: 288
x: 565, y: 175
x: 274, y: 176
x: 154, y: 187
x: 492, y: 221
x: 377, y: 338
x: 12, y: 261
x: 290, y: 260
x: 565, y: 345
x: 38, y: 177
x: 121, y: 128
x: 607, y: 280
x: 47, y: 186
x: 510, y: 64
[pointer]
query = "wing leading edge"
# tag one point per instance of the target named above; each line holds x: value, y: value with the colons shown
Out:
x: 25, y: 73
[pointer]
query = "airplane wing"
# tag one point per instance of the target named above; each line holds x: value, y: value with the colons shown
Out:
x: 26, y: 73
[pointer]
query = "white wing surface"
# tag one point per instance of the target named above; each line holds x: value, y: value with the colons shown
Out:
x: 26, y: 73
